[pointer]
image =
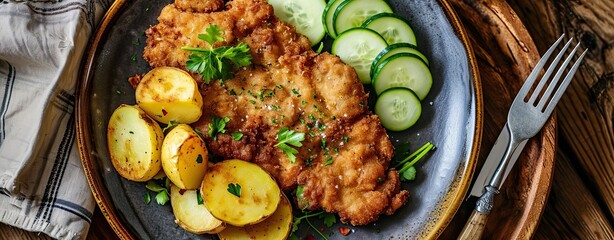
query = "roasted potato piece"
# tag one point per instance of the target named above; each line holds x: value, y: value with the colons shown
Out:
x: 134, y: 141
x: 191, y: 216
x: 167, y: 93
x: 184, y: 157
x: 258, y: 198
x: 276, y: 226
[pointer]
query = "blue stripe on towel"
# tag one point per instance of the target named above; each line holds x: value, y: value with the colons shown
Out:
x: 74, y: 209
x: 8, y: 92
x: 57, y: 172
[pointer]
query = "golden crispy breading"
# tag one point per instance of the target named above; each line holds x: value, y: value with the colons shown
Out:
x: 343, y: 163
x: 199, y: 6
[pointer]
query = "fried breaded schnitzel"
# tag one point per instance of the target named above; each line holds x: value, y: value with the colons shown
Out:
x: 343, y: 163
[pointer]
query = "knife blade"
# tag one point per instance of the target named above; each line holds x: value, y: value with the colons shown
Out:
x: 492, y: 161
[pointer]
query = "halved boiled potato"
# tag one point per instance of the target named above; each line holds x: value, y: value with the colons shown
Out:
x: 184, y: 157
x: 259, y: 194
x: 276, y: 226
x: 191, y: 216
x: 134, y: 141
x: 167, y: 93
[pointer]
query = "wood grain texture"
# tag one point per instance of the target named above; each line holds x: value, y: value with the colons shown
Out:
x: 572, y: 212
x: 474, y: 228
x: 586, y: 111
x: 506, y: 55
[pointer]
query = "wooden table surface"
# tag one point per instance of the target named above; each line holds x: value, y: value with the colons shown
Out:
x: 581, y: 200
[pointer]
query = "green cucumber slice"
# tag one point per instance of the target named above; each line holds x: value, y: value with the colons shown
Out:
x: 352, y: 13
x: 394, y: 49
x: 303, y: 15
x: 327, y: 17
x: 398, y: 108
x: 403, y: 70
x: 392, y: 27
x: 358, y: 47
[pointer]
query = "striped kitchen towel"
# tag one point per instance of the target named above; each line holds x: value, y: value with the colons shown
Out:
x: 42, y: 184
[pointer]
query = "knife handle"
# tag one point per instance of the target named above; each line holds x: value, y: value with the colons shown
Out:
x: 474, y: 228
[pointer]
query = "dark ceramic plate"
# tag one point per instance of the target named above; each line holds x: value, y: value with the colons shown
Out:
x: 451, y: 120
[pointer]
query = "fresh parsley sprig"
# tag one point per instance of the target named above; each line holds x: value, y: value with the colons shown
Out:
x: 405, y: 166
x: 329, y: 220
x: 217, y: 63
x: 162, y: 194
x: 217, y: 125
x: 286, y: 139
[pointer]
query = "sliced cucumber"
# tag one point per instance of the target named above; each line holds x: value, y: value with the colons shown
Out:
x: 392, y: 27
x: 303, y: 15
x: 394, y: 49
x: 398, y: 108
x: 327, y: 17
x: 358, y: 47
x: 403, y: 70
x: 352, y: 13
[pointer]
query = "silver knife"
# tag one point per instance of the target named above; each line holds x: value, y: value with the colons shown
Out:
x: 492, y: 161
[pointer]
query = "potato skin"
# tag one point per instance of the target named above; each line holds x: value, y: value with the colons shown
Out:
x: 134, y: 141
x: 276, y: 226
x: 184, y: 157
x: 167, y: 93
x: 259, y: 197
x: 191, y: 216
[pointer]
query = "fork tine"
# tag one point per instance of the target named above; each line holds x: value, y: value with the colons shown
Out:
x: 561, y: 90
x: 540, y: 64
x: 555, y: 79
x: 544, y: 79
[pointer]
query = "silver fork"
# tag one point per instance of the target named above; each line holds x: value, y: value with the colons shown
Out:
x: 524, y: 120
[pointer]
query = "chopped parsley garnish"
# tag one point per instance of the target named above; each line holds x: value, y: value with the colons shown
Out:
x: 147, y: 198
x: 232, y: 92
x: 296, y: 92
x: 199, y: 198
x: 162, y: 196
x: 170, y: 125
x: 133, y: 58
x: 288, y: 138
x: 216, y: 63
x: 329, y: 161
x: 234, y: 189
x: 236, y: 135
x: 199, y: 159
x: 217, y: 125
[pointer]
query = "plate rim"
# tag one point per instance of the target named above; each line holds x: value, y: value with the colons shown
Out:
x: 102, y: 196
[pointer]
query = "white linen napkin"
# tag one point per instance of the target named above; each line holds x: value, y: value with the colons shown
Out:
x: 42, y: 184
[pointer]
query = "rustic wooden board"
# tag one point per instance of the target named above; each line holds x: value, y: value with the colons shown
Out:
x: 506, y: 55
x: 587, y: 109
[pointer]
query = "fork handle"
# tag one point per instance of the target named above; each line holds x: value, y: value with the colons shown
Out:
x: 474, y: 228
